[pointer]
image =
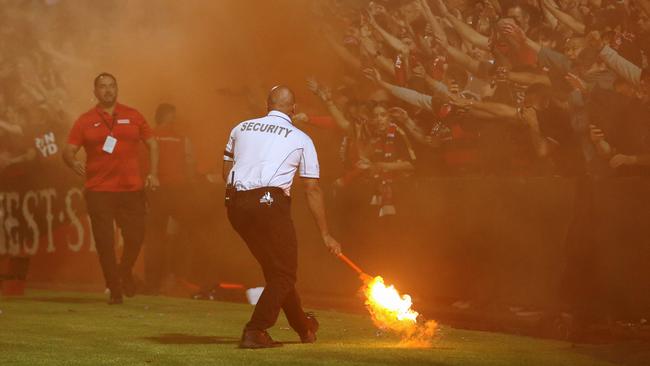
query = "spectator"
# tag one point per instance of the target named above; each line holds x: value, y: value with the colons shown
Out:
x: 169, y: 205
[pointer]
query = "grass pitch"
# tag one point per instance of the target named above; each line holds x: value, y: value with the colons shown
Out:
x: 63, y: 328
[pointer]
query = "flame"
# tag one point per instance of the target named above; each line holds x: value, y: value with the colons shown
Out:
x: 392, y: 311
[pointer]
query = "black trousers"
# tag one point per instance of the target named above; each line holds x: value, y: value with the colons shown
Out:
x: 163, y: 254
x: 269, y: 233
x: 127, y: 209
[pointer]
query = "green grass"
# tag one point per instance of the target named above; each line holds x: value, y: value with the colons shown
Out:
x: 63, y: 328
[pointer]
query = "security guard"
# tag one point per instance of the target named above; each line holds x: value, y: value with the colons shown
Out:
x: 260, y: 160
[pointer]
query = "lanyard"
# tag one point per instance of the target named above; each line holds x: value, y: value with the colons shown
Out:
x: 110, y: 128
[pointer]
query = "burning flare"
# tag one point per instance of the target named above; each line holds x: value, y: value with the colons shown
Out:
x: 392, y: 311
x: 386, y: 304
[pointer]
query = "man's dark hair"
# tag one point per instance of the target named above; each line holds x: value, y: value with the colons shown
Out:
x: 162, y: 110
x: 103, y: 74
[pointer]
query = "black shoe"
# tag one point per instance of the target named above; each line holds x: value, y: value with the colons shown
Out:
x: 309, y: 336
x: 254, y: 339
x: 128, y: 285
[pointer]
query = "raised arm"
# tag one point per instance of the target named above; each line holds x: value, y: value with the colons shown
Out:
x: 371, y: 49
x: 621, y: 66
x: 468, y: 33
x: 563, y: 17
x: 460, y: 57
x: 519, y: 36
x: 343, y: 53
x: 465, y: 31
x: 438, y: 30
x: 325, y: 96
x: 436, y: 87
x: 550, y: 18
x: 394, y: 42
x: 408, y: 95
x: 487, y: 109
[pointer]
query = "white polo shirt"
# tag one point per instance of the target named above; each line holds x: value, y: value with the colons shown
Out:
x: 268, y: 151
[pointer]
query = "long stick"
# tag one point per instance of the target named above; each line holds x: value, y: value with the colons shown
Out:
x: 363, y: 275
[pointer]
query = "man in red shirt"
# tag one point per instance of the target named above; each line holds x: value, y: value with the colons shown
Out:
x: 162, y: 258
x: 110, y: 134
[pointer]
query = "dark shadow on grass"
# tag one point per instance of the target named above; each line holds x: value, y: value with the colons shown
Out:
x: 178, y: 338
x: 66, y: 300
x: 632, y: 353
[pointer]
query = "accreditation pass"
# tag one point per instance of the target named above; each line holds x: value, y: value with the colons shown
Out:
x: 109, y: 144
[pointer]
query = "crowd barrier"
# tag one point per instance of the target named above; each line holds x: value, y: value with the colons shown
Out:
x: 487, y: 240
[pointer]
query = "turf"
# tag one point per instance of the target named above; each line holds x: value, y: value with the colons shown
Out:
x: 63, y: 328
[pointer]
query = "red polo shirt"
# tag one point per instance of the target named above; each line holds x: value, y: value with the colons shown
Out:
x: 120, y: 170
x: 172, y: 165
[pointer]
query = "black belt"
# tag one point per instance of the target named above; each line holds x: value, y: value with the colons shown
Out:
x: 257, y: 191
x: 275, y: 192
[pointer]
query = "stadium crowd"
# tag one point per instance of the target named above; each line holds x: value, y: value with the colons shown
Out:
x: 430, y: 87
x: 488, y: 87
x: 33, y: 98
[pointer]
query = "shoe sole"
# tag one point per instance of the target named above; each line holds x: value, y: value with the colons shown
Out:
x: 258, y: 346
x: 310, y: 338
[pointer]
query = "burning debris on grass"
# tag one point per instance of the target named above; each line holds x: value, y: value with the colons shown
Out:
x: 392, y: 311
